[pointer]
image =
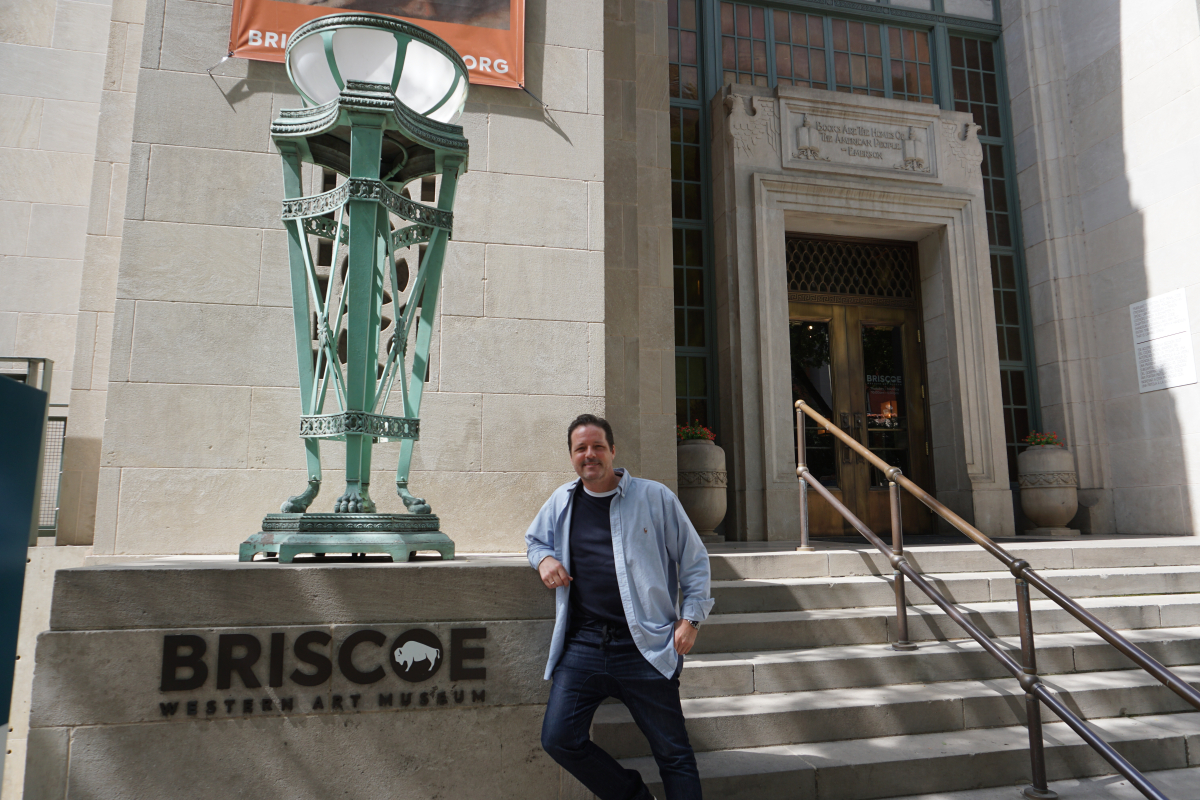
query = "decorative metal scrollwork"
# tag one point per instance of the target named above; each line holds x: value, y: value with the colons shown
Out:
x: 332, y: 426
x: 364, y: 189
x: 398, y: 204
x: 302, y: 207
x: 326, y: 229
x: 302, y: 121
x: 850, y: 268
x: 410, y: 235
x: 351, y: 523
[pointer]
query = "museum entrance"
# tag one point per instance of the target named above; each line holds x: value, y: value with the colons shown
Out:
x: 857, y: 357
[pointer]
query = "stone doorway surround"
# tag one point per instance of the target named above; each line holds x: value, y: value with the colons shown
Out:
x: 798, y: 160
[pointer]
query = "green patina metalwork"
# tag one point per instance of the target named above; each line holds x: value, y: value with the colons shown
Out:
x: 379, y: 146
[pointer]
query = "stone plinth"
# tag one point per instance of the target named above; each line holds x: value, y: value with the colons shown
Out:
x: 178, y: 678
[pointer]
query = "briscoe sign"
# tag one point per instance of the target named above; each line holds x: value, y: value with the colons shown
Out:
x: 283, y: 665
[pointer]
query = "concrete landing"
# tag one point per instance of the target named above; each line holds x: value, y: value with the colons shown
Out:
x: 1178, y: 784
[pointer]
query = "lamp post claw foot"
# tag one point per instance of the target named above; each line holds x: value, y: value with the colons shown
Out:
x: 298, y: 504
x: 415, y: 505
x: 355, y: 501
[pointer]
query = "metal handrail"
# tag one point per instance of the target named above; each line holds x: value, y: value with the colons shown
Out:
x: 1036, y: 692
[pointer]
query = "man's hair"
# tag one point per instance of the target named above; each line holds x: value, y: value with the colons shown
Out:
x: 590, y: 419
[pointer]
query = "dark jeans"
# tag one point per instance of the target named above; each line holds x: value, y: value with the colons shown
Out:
x: 600, y: 663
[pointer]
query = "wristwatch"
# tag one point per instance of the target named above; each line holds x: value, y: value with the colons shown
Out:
x: 693, y: 623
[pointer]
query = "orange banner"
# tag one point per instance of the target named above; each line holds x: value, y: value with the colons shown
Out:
x: 488, y: 34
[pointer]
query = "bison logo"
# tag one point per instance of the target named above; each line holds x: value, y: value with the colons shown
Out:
x: 412, y: 652
x: 416, y: 655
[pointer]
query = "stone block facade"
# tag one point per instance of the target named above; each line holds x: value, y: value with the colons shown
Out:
x: 142, y: 251
x: 188, y: 307
x: 1104, y: 104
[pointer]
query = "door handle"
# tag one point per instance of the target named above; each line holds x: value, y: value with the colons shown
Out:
x: 847, y: 453
x: 858, y: 437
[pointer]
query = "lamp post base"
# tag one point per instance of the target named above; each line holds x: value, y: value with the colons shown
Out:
x: 400, y: 536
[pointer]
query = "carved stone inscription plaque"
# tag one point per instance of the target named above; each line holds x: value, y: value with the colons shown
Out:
x: 874, y: 140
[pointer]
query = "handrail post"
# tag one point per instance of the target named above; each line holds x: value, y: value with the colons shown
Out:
x: 902, y: 642
x: 801, y: 469
x: 1033, y: 708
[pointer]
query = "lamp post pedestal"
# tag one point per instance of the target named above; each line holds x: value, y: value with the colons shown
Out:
x: 400, y: 536
x: 362, y: 327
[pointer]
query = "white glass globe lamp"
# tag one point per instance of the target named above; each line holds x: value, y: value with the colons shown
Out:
x: 424, y: 72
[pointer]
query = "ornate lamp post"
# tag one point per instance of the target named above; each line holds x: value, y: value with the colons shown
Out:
x: 380, y: 99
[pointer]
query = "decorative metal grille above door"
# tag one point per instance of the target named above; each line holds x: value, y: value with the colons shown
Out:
x: 850, y: 272
x: 856, y: 353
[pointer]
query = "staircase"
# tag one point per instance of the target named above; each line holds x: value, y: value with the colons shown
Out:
x: 793, y: 691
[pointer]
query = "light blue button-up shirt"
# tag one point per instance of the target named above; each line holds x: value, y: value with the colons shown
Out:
x: 655, y: 549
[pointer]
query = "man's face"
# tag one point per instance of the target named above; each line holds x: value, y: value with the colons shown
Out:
x: 591, y: 454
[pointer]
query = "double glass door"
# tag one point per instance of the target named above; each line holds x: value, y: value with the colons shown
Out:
x: 860, y: 366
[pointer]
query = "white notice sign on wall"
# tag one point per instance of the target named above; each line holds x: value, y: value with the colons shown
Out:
x: 1162, y: 339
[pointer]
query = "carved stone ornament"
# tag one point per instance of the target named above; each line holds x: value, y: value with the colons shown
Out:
x: 808, y: 147
x: 916, y: 152
x: 963, y: 145
x: 855, y: 135
x: 1048, y: 479
x: 704, y: 479
x: 703, y: 483
x: 749, y: 130
x: 1049, y: 488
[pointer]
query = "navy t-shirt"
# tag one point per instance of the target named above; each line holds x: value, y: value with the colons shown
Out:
x: 594, y: 592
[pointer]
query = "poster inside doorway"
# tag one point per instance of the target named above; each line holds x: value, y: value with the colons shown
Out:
x: 488, y: 34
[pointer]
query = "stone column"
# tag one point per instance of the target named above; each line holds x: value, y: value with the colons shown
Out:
x: 1056, y: 263
x: 98, y: 293
x: 639, y: 304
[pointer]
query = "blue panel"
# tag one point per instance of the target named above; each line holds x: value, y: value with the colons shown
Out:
x: 22, y: 428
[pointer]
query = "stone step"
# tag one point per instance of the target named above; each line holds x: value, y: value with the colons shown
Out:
x: 872, y: 769
x: 859, y: 558
x: 1176, y: 783
x: 760, y: 720
x: 719, y: 674
x: 787, y: 630
x: 796, y: 594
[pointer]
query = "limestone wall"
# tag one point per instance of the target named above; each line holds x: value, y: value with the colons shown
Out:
x: 57, y: 63
x: 202, y: 403
x: 1105, y: 106
x: 52, y: 55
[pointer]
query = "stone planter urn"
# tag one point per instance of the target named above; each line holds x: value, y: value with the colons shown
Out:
x: 1049, y: 489
x: 702, y: 484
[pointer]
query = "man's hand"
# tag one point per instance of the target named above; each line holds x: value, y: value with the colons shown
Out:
x: 553, y: 573
x: 685, y: 636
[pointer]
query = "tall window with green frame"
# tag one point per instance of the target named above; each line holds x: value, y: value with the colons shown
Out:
x: 693, y: 357
x: 768, y: 47
x: 976, y: 83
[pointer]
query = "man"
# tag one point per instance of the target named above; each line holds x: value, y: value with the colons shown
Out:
x: 610, y: 545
